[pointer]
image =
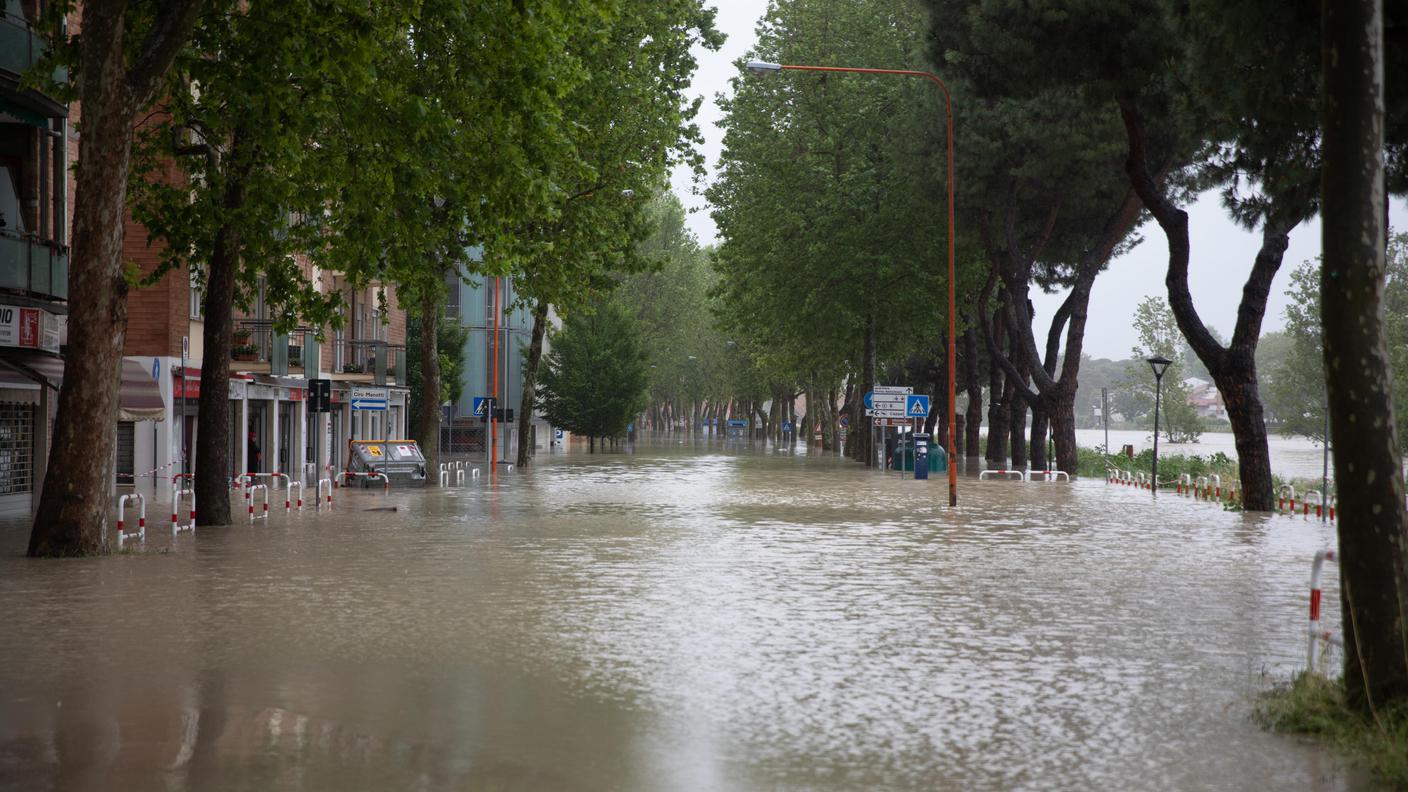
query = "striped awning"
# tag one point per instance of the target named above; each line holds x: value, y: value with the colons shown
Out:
x: 138, y: 400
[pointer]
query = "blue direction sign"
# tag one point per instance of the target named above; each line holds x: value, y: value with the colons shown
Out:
x: 369, y: 399
x: 480, y: 406
x: 916, y: 406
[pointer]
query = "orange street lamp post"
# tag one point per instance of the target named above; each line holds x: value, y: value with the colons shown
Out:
x: 762, y: 68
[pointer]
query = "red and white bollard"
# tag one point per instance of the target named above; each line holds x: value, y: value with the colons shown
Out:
x: 319, y: 494
x: 141, y: 531
x: 1315, y: 635
x: 288, y: 495
x: 249, y: 501
x: 178, y: 492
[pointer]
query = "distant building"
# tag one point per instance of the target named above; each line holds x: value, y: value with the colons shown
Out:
x: 1205, y: 399
x: 470, y: 304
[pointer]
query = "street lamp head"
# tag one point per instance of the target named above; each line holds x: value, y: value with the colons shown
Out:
x: 763, y: 67
x: 1159, y: 364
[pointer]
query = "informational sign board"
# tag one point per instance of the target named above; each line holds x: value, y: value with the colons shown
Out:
x: 480, y: 406
x: 29, y: 328
x: 374, y: 399
x: 888, y: 401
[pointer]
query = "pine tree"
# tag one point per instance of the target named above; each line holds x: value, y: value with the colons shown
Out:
x: 596, y: 376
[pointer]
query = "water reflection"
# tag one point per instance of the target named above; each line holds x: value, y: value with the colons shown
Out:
x: 691, y: 616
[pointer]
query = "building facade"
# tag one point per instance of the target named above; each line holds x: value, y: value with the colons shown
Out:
x: 271, y: 429
x: 470, y: 303
x: 35, y: 151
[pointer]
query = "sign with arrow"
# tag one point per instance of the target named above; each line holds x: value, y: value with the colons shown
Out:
x: 373, y: 399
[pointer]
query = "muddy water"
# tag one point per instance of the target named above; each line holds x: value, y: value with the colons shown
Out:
x: 693, y: 617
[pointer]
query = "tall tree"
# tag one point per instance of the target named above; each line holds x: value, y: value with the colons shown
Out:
x: 632, y: 120
x: 253, y: 186
x: 595, y: 378
x: 450, y: 153
x: 830, y: 197
x: 125, y: 50
x: 1158, y: 335
x: 1373, y: 524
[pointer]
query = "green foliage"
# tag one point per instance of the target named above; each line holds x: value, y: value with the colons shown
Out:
x: 1093, y: 462
x: 830, y: 195
x: 691, y: 358
x: 1311, y: 705
x: 245, y: 167
x: 1159, y: 336
x: 1295, y: 389
x: 628, y: 121
x: 451, y: 338
x: 596, y: 375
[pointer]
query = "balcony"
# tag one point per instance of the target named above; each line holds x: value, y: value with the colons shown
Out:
x: 360, y: 360
x: 21, y: 47
x: 256, y: 347
x: 33, y: 266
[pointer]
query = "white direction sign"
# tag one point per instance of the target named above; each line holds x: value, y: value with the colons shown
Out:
x: 369, y: 398
x: 903, y: 390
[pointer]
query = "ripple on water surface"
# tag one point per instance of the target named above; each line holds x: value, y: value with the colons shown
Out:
x: 687, y: 617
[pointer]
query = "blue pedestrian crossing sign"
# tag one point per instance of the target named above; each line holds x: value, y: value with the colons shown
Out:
x: 480, y: 406
x: 916, y: 406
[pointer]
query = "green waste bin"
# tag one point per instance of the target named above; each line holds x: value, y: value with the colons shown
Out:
x: 903, y: 456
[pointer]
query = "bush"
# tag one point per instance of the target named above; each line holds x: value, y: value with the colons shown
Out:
x: 1094, y: 462
x: 1311, y: 704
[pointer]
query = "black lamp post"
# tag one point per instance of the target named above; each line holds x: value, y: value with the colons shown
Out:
x: 1159, y: 364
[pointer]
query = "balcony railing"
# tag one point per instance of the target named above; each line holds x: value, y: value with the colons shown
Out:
x: 21, y: 47
x: 33, y: 266
x: 372, y: 361
x: 260, y: 348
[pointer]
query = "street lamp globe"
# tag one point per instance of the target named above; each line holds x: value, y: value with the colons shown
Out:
x: 763, y: 67
x: 1159, y: 364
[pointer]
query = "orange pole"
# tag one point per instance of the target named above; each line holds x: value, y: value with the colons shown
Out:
x: 952, y: 302
x: 494, y: 364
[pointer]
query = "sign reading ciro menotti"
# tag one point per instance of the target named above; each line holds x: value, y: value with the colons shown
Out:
x: 28, y: 328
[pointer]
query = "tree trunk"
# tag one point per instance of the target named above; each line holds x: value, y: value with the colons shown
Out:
x: 73, y: 508
x: 862, y: 444
x: 213, y: 440
x: 1017, y: 418
x: 974, y: 418
x: 1373, y: 526
x: 428, y: 411
x: 998, y: 412
x: 530, y: 381
x: 1038, y: 441
x: 1236, y: 381
x: 1063, y: 431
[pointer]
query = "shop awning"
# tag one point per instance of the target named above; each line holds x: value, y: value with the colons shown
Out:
x: 138, y: 400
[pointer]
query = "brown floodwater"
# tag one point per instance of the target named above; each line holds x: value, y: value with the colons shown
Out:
x: 691, y: 616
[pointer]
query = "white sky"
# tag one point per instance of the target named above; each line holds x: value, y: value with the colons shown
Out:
x: 1222, y: 252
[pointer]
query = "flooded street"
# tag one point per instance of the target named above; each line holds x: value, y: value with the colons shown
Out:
x: 694, y: 616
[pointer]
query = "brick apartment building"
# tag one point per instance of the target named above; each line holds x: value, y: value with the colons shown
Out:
x: 162, y: 359
x: 268, y: 377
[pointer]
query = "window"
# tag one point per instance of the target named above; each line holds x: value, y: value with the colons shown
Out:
x: 16, y: 448
x: 452, y: 300
x: 197, y: 296
x: 126, y: 452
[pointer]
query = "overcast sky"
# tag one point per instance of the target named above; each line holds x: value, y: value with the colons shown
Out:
x: 1222, y: 252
